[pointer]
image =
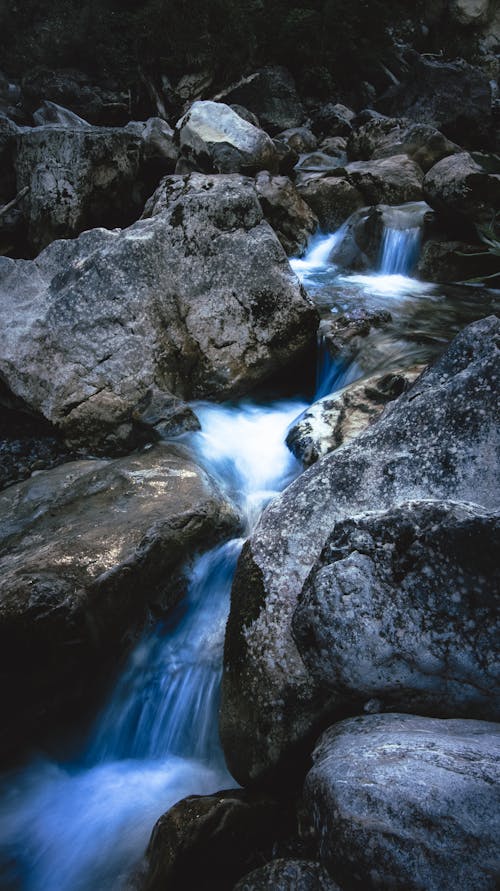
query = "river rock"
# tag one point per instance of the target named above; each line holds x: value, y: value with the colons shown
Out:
x: 288, y: 875
x: 401, y: 609
x: 337, y: 419
x: 407, y: 803
x: 332, y: 198
x: 208, y: 842
x: 441, y: 260
x: 269, y: 93
x: 77, y: 178
x: 332, y: 119
x: 52, y: 113
x: 213, y: 138
x: 27, y: 445
x: 300, y: 139
x: 388, y: 180
x: 288, y: 213
x: 86, y: 549
x: 283, y: 208
x: 436, y: 442
x: 158, y: 142
x: 199, y: 301
x: 459, y: 187
x: 454, y: 97
x: 383, y: 137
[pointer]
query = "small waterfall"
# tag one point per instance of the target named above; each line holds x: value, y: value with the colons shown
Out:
x: 333, y: 374
x: 83, y: 825
x: 400, y: 250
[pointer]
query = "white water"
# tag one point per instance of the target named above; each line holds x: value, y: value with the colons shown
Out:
x: 83, y: 825
x: 400, y: 250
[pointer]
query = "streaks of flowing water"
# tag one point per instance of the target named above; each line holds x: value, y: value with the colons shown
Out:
x: 82, y: 826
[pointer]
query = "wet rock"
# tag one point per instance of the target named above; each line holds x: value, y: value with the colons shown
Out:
x: 436, y: 442
x: 270, y: 94
x: 383, y: 137
x: 316, y: 164
x: 454, y: 97
x: 337, y: 419
x: 332, y: 199
x: 86, y: 549
x: 408, y: 803
x: 460, y: 187
x: 387, y: 181
x: 208, y: 842
x: 77, y: 178
x: 401, y: 608
x: 214, y: 138
x: 288, y: 875
x: 98, y: 326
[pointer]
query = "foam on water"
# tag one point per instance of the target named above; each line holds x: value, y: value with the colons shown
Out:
x: 84, y: 825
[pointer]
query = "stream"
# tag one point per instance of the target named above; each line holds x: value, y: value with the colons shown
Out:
x: 83, y: 824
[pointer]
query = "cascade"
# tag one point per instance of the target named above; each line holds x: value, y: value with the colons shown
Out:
x: 83, y: 825
x: 399, y: 251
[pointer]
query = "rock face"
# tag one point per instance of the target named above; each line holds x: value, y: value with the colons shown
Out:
x: 438, y: 442
x: 85, y: 550
x: 402, y: 608
x: 408, y: 803
x: 198, y: 300
x: 288, y: 875
x: 77, y: 178
x: 209, y: 842
x: 213, y: 138
x: 459, y: 187
x: 271, y: 95
x: 337, y: 419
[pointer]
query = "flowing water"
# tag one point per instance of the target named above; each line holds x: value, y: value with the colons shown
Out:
x: 83, y: 824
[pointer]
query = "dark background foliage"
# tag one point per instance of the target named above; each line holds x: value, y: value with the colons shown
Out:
x: 324, y: 43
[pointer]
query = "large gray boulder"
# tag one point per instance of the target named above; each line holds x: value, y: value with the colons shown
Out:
x: 391, y: 180
x: 460, y: 188
x: 289, y: 215
x: 408, y: 803
x: 214, y: 138
x: 402, y: 608
x: 78, y: 177
x: 439, y: 441
x: 199, y: 301
x: 86, y: 549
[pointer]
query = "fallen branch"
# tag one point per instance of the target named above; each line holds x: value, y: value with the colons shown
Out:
x: 14, y: 201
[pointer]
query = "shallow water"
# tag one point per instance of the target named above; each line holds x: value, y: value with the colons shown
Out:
x: 82, y: 824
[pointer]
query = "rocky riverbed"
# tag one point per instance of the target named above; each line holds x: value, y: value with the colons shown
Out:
x: 249, y: 467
